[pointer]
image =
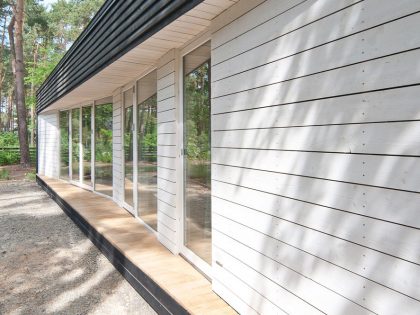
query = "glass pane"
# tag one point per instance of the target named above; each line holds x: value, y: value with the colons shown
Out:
x: 87, y: 144
x: 64, y: 145
x: 103, y: 149
x: 147, y: 149
x: 128, y: 147
x: 75, y: 141
x: 197, y: 159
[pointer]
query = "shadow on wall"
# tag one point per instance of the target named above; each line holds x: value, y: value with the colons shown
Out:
x: 315, y: 166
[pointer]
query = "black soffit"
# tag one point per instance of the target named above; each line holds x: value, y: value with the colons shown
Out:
x: 118, y: 27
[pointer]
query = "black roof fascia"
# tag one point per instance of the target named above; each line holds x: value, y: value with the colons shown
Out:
x: 118, y: 27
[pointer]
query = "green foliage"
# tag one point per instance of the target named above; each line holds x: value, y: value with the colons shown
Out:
x: 4, y: 174
x: 147, y: 126
x: 9, y: 157
x: 38, y: 70
x: 149, y: 141
x: 104, y: 156
x: 9, y: 139
x: 199, y: 170
x: 197, y: 113
x: 48, y: 33
x: 103, y: 133
x: 30, y: 176
x: 64, y: 138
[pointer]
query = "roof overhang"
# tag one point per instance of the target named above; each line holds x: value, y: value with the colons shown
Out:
x: 123, y: 40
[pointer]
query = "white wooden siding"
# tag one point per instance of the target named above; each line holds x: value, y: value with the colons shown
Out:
x: 117, y: 171
x: 315, y: 152
x: 48, y: 144
x: 167, y: 143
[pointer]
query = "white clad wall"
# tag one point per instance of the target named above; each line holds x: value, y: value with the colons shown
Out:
x: 315, y: 152
x: 167, y: 147
x: 117, y: 171
x: 48, y: 144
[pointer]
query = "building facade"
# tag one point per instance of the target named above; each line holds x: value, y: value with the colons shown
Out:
x: 273, y: 144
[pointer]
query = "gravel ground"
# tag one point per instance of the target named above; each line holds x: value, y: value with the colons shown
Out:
x: 48, y: 266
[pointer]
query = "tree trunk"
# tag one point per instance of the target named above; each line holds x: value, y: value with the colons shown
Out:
x: 2, y: 72
x: 10, y: 29
x: 16, y: 45
x: 35, y: 55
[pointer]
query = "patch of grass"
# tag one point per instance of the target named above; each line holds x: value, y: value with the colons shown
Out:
x: 30, y: 176
x: 4, y: 174
x: 9, y: 157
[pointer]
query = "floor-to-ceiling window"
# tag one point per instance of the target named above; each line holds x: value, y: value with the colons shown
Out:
x: 81, y: 130
x: 103, y: 147
x: 147, y: 149
x: 64, y: 145
x: 75, y: 144
x: 128, y: 142
x: 197, y: 158
x: 87, y: 145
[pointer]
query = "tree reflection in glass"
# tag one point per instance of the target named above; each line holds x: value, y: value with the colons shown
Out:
x: 75, y: 141
x: 147, y: 149
x: 197, y: 159
x: 103, y: 149
x: 64, y: 145
x: 128, y: 147
x: 87, y: 144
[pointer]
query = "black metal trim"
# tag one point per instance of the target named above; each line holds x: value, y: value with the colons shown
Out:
x: 118, y: 27
x: 153, y: 294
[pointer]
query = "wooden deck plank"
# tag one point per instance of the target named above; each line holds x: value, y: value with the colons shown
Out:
x: 172, y: 273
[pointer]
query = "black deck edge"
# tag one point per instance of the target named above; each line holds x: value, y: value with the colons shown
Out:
x: 151, y: 292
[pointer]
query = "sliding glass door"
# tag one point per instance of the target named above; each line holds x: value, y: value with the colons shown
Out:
x: 75, y: 144
x: 128, y: 142
x: 103, y: 148
x: 197, y: 157
x: 87, y: 145
x: 64, y: 145
x: 147, y: 149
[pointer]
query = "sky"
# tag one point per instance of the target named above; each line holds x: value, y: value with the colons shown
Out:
x: 48, y: 2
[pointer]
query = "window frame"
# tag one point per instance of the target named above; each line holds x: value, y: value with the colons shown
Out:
x: 188, y: 254
x: 128, y: 207
x: 79, y: 183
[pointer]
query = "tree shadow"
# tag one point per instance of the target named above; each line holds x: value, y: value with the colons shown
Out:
x: 313, y: 158
x: 49, y: 266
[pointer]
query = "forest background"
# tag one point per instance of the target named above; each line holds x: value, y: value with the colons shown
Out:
x: 34, y: 36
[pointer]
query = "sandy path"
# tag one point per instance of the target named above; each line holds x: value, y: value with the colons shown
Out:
x: 48, y: 266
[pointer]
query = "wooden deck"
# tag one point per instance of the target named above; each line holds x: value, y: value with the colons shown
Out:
x: 114, y: 226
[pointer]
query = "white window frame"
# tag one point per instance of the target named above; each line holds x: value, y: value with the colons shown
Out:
x: 135, y: 155
x: 79, y: 183
x: 93, y: 157
x: 188, y: 254
x: 128, y: 207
